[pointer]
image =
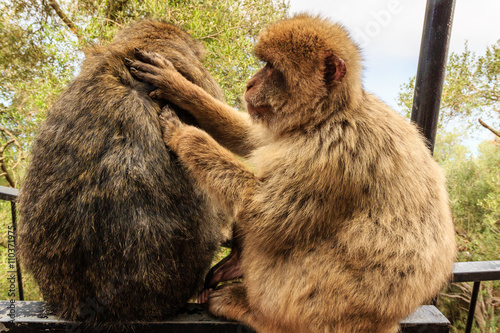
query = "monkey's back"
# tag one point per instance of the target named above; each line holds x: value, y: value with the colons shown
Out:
x: 112, y: 227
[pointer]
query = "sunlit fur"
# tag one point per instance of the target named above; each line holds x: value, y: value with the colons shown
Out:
x: 351, y: 229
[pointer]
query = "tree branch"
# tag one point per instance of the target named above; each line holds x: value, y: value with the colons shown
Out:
x: 213, y: 35
x: 13, y: 137
x: 114, y: 22
x: 3, y: 166
x: 65, y: 18
x: 218, y: 33
x: 113, y: 8
x: 487, y: 127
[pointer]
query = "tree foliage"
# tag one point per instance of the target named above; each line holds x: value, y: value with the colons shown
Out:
x: 471, y: 93
x: 474, y: 186
x: 471, y: 90
x: 41, y: 43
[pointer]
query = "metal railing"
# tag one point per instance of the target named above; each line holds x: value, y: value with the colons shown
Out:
x: 475, y: 271
x: 431, y: 70
x: 11, y: 194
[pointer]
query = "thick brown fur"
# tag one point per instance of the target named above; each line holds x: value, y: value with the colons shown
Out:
x: 113, y: 227
x: 346, y: 223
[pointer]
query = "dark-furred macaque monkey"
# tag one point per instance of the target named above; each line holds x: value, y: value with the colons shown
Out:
x: 345, y: 224
x: 113, y: 227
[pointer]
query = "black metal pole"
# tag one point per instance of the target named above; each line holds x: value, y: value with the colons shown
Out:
x: 472, y: 306
x: 432, y: 67
x: 18, y: 266
x: 11, y: 194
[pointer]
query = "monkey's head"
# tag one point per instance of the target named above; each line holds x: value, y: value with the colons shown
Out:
x: 175, y: 44
x: 312, y: 69
x: 162, y: 37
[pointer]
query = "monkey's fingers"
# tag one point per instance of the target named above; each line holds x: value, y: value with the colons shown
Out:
x: 171, y: 118
x: 153, y: 59
x: 156, y: 94
x: 169, y: 123
x: 140, y: 70
x: 203, y: 297
x: 167, y: 128
x: 143, y: 76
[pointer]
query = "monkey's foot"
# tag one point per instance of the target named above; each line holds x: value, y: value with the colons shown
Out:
x: 230, y: 301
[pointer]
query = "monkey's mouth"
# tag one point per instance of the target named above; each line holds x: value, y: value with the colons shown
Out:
x: 258, y: 111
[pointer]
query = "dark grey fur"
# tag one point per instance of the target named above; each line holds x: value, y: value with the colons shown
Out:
x: 113, y: 228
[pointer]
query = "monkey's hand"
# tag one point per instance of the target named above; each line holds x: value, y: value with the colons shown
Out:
x: 169, y: 123
x: 160, y: 72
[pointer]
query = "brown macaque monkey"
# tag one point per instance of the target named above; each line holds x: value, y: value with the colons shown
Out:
x: 345, y: 224
x: 114, y: 228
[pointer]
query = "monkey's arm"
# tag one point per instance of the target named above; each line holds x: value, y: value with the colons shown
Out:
x: 229, y: 127
x: 214, y: 167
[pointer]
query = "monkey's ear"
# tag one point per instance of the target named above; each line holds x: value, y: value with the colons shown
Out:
x: 335, y: 68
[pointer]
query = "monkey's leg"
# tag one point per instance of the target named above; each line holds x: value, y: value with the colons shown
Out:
x: 227, y: 269
x: 231, y: 302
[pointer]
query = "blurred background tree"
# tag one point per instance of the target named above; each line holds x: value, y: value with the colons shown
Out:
x: 41, y: 44
x: 471, y: 90
x: 471, y: 99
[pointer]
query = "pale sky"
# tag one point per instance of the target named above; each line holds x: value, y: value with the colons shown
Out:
x: 390, y: 31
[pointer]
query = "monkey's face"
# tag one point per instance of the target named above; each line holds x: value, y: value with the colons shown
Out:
x: 257, y: 103
x: 312, y: 67
x: 263, y: 92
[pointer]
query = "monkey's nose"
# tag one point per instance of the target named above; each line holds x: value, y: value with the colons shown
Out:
x: 250, y: 84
